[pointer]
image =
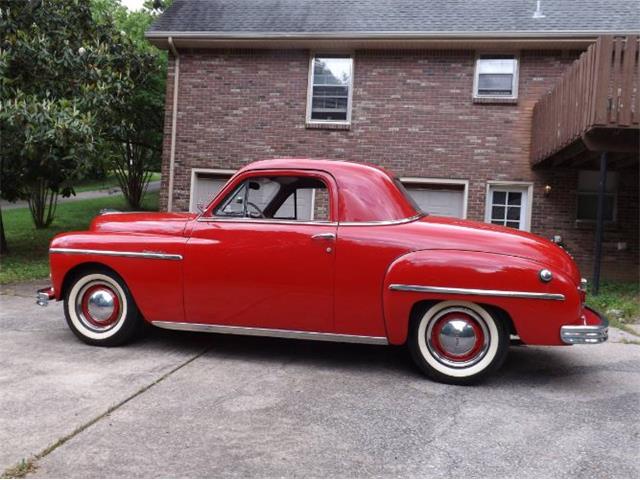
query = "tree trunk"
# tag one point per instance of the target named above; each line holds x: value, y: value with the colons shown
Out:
x: 4, y: 248
x: 132, y: 173
x: 42, y: 203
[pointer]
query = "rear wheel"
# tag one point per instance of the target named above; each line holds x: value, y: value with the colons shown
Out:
x: 100, y: 309
x: 458, y: 342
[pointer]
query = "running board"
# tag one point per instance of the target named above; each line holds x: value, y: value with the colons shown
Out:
x: 271, y: 332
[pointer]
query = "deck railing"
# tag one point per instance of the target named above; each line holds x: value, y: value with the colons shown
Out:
x: 599, y: 90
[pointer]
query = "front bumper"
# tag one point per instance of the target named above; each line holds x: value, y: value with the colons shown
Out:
x: 44, y: 295
x: 595, y: 329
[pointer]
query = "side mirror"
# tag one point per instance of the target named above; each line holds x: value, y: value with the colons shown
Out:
x: 200, y: 206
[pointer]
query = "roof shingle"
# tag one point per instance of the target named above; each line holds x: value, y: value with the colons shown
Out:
x: 273, y: 17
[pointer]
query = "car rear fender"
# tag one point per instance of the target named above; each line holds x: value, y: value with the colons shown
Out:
x: 513, y: 284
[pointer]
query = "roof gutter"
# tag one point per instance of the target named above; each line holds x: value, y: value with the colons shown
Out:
x: 400, y: 35
x: 174, y: 121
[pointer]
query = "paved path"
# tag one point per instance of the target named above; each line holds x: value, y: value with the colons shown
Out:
x: 153, y: 187
x: 198, y: 405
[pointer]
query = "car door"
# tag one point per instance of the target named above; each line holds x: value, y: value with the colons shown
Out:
x: 263, y: 255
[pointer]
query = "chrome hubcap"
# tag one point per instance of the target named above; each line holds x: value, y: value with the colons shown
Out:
x: 101, y: 304
x: 457, y: 337
x: 98, y: 306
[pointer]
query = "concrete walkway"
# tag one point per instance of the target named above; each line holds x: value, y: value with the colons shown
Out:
x: 199, y: 405
x: 153, y: 187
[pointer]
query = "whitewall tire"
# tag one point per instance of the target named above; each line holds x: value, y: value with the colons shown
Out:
x: 458, y: 342
x: 100, y: 309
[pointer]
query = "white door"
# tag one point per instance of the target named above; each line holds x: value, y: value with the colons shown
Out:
x: 508, y: 205
x: 437, y: 201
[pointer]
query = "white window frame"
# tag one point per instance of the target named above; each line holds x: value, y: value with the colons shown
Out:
x: 526, y: 187
x: 442, y: 181
x: 515, y: 81
x: 194, y: 175
x: 312, y: 57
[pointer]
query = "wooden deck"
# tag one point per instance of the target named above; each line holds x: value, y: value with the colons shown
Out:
x: 595, y: 106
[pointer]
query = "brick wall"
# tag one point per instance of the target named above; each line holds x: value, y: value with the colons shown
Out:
x: 412, y: 112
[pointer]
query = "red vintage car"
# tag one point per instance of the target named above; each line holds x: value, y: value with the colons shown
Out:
x: 324, y: 250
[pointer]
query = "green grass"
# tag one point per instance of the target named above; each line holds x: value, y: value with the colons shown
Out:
x: 622, y: 297
x: 105, y: 183
x: 28, y: 246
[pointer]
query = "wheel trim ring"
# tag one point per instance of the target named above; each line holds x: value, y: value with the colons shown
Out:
x: 447, y: 359
x: 82, y: 307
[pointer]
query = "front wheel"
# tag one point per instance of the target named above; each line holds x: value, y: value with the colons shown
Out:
x: 458, y: 342
x: 100, y: 309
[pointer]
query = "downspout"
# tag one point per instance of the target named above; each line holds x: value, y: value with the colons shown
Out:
x: 602, y: 188
x: 174, y: 121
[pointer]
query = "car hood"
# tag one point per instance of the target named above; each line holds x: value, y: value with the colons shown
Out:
x: 142, y: 222
x: 448, y: 233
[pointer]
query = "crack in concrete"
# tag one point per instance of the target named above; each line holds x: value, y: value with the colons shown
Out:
x: 22, y: 468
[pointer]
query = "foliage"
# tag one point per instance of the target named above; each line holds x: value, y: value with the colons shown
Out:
x: 29, y: 256
x: 134, y: 138
x: 65, y: 80
x: 619, y: 302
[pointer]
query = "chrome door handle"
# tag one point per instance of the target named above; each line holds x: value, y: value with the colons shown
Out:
x: 324, y: 236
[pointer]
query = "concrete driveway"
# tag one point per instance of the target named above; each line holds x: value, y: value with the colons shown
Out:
x: 198, y: 405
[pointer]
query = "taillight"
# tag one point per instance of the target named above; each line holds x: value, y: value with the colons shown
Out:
x: 583, y: 291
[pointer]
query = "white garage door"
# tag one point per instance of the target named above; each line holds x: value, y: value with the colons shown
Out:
x: 205, y: 187
x: 437, y: 200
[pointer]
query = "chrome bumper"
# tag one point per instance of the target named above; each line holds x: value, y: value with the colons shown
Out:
x: 595, y: 330
x: 44, y: 295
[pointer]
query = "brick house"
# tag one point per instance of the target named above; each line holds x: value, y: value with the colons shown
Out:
x: 492, y: 110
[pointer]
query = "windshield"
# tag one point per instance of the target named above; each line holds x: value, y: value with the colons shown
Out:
x: 408, y: 196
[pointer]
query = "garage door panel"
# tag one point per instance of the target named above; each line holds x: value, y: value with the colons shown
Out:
x: 204, y: 189
x: 438, y: 201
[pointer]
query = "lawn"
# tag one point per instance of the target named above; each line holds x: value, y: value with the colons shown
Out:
x: 28, y: 257
x: 619, y: 302
x: 110, y: 181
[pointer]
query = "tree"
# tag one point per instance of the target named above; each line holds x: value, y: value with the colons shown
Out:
x: 63, y: 79
x: 134, y: 137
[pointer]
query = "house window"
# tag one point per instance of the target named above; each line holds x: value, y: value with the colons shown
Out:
x: 496, y: 76
x: 330, y: 85
x: 588, y: 181
x: 442, y: 197
x: 509, y: 205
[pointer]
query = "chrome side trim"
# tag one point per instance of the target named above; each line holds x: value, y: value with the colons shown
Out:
x: 381, y: 222
x: 114, y: 253
x: 271, y: 332
x: 266, y: 221
x: 475, y: 291
x: 274, y: 221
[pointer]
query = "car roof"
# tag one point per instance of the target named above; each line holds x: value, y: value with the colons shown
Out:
x: 367, y: 193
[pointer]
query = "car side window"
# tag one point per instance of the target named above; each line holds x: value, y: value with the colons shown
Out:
x: 278, y: 198
x: 250, y: 199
